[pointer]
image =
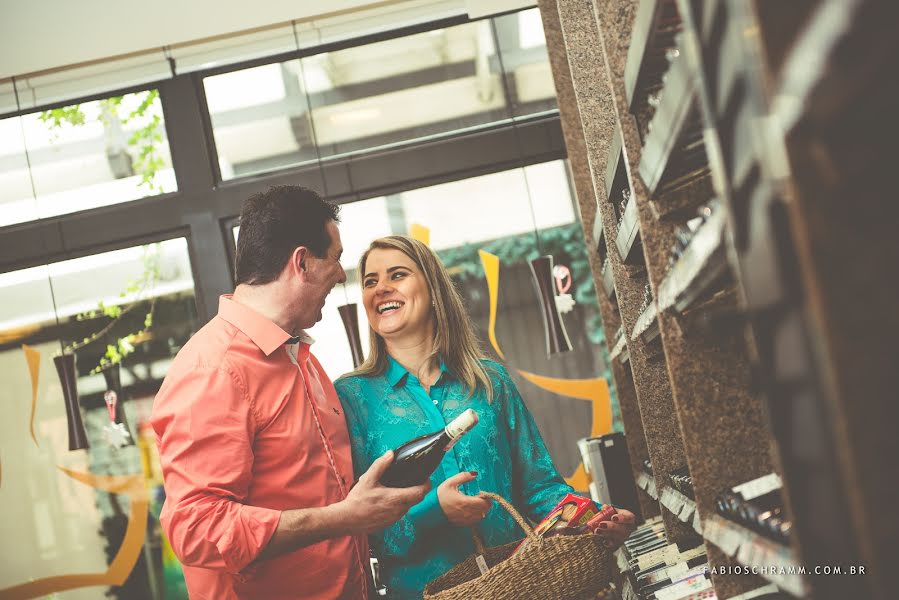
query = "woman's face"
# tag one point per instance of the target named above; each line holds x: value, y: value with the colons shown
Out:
x: 395, y: 295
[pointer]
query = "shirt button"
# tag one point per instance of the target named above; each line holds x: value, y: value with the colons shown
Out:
x: 435, y: 403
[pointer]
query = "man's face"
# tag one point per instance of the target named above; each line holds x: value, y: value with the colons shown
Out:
x: 322, y: 274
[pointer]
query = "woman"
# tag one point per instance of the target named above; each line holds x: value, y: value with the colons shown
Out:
x: 424, y: 368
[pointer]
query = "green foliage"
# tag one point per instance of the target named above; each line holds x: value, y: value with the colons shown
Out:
x: 143, y: 143
x: 134, y: 293
x: 57, y: 117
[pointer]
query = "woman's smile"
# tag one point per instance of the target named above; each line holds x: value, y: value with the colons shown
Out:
x: 395, y: 294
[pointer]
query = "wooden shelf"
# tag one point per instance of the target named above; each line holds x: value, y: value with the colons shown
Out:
x: 681, y: 506
x: 838, y: 50
x: 701, y: 263
x: 614, y: 164
x: 677, y: 108
x: 599, y: 236
x: 647, y: 483
x: 629, y: 234
x: 762, y: 591
x: 608, y: 281
x: 655, y: 25
x: 620, y: 349
x: 751, y: 549
x: 647, y: 325
x: 781, y: 111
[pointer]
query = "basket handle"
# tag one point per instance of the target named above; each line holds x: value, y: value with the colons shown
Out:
x: 522, y: 522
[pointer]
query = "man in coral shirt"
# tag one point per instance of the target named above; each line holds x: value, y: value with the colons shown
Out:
x: 252, y: 438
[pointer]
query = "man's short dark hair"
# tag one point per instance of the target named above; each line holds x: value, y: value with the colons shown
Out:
x: 273, y: 224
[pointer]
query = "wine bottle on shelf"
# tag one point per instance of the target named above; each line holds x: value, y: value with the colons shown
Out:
x: 414, y: 461
x: 757, y: 505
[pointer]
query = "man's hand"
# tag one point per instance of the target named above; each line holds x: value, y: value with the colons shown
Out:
x: 461, y: 509
x: 617, y: 530
x: 371, y: 506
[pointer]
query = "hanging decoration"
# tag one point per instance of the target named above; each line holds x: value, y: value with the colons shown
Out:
x: 116, y: 432
x: 65, y: 363
x: 542, y: 267
x: 556, y: 336
x: 564, y: 301
x: 68, y: 379
x: 350, y: 317
x: 594, y: 390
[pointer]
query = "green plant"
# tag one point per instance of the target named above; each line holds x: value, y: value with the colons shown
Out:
x: 132, y: 297
x: 144, y: 141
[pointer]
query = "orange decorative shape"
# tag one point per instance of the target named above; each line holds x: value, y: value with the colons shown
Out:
x: 125, y: 559
x: 33, y: 358
x: 491, y: 272
x: 580, y: 480
x: 420, y: 233
x: 595, y: 390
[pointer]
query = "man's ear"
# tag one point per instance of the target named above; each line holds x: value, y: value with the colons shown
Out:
x: 299, y: 260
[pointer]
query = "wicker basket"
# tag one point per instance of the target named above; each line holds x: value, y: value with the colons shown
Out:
x: 560, y: 567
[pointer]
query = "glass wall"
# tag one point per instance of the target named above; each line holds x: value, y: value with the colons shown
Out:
x: 83, y: 156
x: 128, y: 310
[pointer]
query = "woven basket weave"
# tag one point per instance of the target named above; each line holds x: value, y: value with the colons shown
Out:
x: 557, y: 568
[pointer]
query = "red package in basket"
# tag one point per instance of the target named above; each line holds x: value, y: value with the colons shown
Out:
x: 572, y: 511
x: 605, y: 514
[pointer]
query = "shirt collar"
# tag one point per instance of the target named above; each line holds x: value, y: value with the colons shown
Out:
x: 396, y: 372
x: 261, y: 331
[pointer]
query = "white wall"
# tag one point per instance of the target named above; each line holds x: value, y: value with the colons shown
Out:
x: 36, y: 35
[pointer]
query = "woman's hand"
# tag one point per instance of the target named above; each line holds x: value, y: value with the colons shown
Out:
x: 459, y: 508
x: 617, y: 530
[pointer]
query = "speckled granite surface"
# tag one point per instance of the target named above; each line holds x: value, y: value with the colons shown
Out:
x: 692, y: 398
x: 587, y: 202
x: 598, y: 117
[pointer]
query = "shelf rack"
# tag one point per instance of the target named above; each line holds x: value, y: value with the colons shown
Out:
x: 754, y: 357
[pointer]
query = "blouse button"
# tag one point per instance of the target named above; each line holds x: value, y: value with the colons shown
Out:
x: 435, y: 403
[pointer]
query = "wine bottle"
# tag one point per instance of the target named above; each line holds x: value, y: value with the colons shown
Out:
x: 414, y: 461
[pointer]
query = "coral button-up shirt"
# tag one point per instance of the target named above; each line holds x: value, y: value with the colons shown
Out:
x: 237, y: 426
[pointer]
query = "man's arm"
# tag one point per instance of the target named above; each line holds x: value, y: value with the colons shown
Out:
x: 368, y: 507
x: 204, y: 424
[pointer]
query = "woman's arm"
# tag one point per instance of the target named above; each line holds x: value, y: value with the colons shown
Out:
x: 536, y: 484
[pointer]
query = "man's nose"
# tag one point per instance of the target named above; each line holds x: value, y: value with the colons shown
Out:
x: 342, y: 277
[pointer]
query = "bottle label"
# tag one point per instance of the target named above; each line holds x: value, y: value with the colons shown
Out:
x: 759, y: 487
x: 482, y: 564
x: 459, y: 426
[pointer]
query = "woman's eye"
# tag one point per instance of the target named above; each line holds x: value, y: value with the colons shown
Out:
x: 398, y: 274
x: 368, y: 283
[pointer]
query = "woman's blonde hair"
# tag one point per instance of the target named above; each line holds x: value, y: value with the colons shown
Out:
x: 454, y: 338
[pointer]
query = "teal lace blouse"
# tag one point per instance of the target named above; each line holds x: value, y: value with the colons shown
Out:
x: 505, y: 448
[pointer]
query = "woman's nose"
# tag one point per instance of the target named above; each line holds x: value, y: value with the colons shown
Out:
x: 383, y: 287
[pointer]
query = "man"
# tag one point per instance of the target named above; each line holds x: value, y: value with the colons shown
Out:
x: 252, y: 439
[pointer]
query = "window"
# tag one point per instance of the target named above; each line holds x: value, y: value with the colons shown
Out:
x: 83, y: 156
x: 62, y: 526
x: 526, y: 62
x: 380, y: 94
